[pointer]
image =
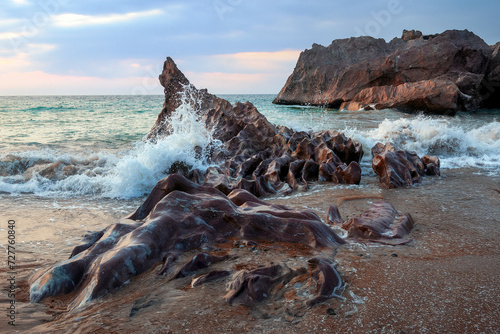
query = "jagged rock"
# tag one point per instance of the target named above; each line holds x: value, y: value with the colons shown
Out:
x: 252, y: 153
x: 177, y: 216
x: 91, y: 239
x: 408, y: 35
x: 240, y: 127
x: 431, y: 164
x: 397, y: 168
x: 380, y: 223
x: 442, y: 73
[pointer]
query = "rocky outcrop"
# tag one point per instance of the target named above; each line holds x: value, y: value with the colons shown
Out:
x: 250, y: 287
x: 398, y: 168
x: 442, y: 73
x: 381, y: 223
x: 177, y: 217
x: 251, y: 153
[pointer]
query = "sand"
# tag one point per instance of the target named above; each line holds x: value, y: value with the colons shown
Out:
x: 446, y: 280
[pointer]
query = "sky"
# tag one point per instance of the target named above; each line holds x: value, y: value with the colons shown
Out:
x: 103, y: 47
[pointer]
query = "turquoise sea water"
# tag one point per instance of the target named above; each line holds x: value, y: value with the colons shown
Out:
x: 66, y: 146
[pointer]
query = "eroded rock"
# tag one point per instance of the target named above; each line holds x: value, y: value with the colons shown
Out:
x: 398, y: 168
x: 381, y: 223
x: 178, y: 216
x: 328, y: 280
x: 442, y: 74
x: 252, y: 153
x: 250, y: 287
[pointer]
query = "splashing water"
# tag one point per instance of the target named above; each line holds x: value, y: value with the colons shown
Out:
x: 91, y: 146
x: 126, y: 174
x: 457, y: 145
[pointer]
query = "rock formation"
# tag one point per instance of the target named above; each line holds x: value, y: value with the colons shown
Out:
x: 398, y: 168
x: 177, y: 217
x: 252, y: 153
x: 381, y: 223
x: 181, y: 222
x: 442, y: 73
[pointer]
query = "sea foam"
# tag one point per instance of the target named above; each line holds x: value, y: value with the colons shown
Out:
x: 126, y: 174
x: 456, y: 144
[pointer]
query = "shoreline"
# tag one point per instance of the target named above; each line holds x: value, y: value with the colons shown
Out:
x: 444, y: 280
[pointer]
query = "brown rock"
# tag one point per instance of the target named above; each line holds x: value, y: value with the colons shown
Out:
x: 199, y: 261
x: 250, y: 287
x: 334, y: 216
x: 408, y: 35
x: 252, y: 154
x: 432, y: 165
x: 329, y: 280
x: 350, y: 174
x: 177, y: 216
x: 440, y: 96
x: 440, y: 74
x: 241, y: 127
x: 379, y: 223
x: 211, y: 276
x: 396, y: 168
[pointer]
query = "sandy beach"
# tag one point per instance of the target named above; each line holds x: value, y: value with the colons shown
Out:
x: 446, y: 280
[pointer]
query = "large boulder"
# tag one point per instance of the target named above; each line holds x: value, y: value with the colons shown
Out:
x: 178, y: 216
x: 442, y: 73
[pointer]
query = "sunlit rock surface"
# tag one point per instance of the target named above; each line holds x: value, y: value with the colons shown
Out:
x: 440, y: 74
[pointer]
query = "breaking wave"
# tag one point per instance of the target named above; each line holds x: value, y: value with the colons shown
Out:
x: 456, y: 144
x: 126, y: 174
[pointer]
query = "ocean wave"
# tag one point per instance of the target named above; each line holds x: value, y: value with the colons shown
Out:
x: 127, y: 174
x: 456, y: 144
x: 48, y: 108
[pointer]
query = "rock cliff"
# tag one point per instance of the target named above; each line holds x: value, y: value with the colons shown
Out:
x: 443, y: 73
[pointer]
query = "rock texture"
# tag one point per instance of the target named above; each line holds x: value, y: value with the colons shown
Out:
x: 381, y: 223
x: 177, y: 217
x: 442, y: 73
x: 398, y: 168
x: 252, y: 153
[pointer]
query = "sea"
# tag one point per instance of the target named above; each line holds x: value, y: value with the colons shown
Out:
x: 94, y: 147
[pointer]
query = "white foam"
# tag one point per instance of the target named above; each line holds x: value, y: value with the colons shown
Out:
x: 456, y: 143
x: 125, y: 174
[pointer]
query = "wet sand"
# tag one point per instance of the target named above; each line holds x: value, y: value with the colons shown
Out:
x: 446, y: 280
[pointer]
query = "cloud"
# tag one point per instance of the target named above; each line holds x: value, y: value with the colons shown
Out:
x: 41, y: 83
x: 243, y: 72
x: 9, y: 22
x: 236, y: 83
x: 244, y: 62
x: 22, y: 61
x: 21, y: 2
x: 258, y: 61
x: 10, y: 35
x: 78, y: 20
x: 17, y: 62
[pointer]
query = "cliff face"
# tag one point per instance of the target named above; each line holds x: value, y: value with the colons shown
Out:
x: 443, y: 73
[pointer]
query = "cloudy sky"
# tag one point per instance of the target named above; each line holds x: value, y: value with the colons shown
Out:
x: 52, y: 47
